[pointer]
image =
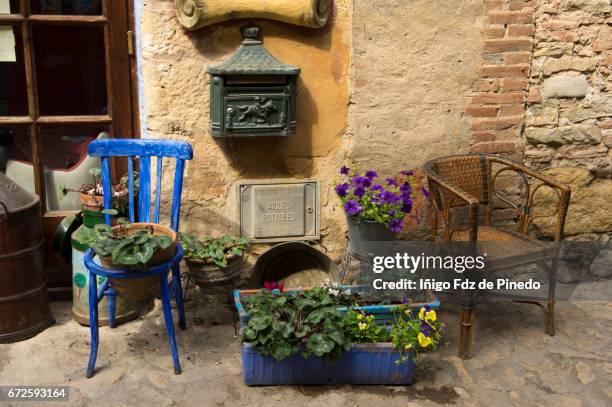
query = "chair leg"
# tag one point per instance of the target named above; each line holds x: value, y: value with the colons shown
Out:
x: 93, y: 323
x: 550, y: 306
x: 112, y: 306
x: 549, y: 317
x: 465, y: 333
x: 165, y: 296
x: 178, y: 295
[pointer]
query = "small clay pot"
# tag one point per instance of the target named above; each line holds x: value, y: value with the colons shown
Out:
x: 146, y: 288
x: 96, y: 202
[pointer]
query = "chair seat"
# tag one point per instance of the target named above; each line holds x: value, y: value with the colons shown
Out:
x: 505, y: 248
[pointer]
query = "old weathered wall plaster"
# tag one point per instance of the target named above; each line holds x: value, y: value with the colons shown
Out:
x: 386, y: 89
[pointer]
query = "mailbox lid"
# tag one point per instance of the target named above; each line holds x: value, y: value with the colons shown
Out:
x: 253, y: 59
x: 279, y: 210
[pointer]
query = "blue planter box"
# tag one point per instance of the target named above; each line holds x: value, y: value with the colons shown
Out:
x: 363, y: 364
x: 382, y: 313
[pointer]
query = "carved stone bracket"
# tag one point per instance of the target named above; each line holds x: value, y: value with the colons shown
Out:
x: 193, y: 14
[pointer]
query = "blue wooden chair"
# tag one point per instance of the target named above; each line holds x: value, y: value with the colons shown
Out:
x: 144, y: 150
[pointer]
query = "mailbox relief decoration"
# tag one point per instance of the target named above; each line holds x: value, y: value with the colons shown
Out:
x: 253, y: 93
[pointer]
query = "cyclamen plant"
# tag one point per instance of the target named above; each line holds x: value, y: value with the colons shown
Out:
x: 387, y: 202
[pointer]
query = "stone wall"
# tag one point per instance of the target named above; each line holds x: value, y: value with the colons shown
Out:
x: 568, y: 124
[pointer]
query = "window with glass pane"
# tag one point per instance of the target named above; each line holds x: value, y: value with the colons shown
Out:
x: 64, y: 156
x: 13, y: 90
x: 70, y: 70
x: 80, y: 7
x: 16, y: 156
x: 9, y: 6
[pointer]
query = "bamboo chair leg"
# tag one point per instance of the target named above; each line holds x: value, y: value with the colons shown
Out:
x: 465, y: 333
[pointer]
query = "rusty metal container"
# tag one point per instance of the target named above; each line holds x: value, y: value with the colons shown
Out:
x: 24, y: 302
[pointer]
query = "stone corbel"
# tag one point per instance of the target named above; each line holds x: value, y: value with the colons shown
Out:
x: 193, y: 14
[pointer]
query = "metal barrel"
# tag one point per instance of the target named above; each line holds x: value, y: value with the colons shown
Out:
x: 24, y: 301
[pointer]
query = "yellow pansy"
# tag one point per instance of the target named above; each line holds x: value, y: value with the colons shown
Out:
x: 424, y: 341
x: 431, y: 316
x: 359, y: 317
x: 408, y: 347
x: 370, y: 318
x: 422, y: 313
x: 362, y: 326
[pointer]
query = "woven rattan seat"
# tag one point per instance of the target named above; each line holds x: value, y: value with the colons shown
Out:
x: 504, y: 245
x: 468, y: 181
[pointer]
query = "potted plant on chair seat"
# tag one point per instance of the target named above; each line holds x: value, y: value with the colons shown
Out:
x: 212, y: 261
x: 135, y: 246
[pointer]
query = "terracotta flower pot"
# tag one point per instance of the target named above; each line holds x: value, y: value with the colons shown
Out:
x: 96, y: 202
x: 146, y: 288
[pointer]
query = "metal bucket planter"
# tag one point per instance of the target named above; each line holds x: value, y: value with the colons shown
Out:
x: 362, y: 232
x: 208, y: 275
x: 382, y: 313
x: 125, y: 310
x: 146, y: 288
x: 364, y: 364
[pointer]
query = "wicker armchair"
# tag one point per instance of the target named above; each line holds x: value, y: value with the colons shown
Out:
x: 468, y: 182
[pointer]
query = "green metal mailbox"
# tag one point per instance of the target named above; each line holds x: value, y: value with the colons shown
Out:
x: 252, y: 93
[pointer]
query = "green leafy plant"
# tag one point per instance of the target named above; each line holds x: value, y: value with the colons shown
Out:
x: 214, y: 250
x: 282, y: 324
x: 135, y: 249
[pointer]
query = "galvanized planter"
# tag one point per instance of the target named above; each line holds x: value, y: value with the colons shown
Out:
x: 126, y: 310
x: 364, y: 364
x: 382, y: 313
x: 362, y: 232
x: 207, y: 275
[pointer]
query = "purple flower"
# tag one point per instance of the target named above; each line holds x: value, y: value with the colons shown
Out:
x: 362, y: 181
x: 344, y: 170
x: 408, y: 172
x: 352, y: 208
x: 377, y: 188
x: 407, y: 206
x: 389, y: 197
x: 405, y: 188
x: 425, y: 192
x: 341, y: 189
x: 388, y: 328
x: 391, y: 212
x: 425, y: 328
x: 371, y: 174
x: 396, y: 225
x: 391, y: 182
x: 359, y: 191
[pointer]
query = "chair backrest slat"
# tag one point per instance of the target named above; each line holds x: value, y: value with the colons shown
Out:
x: 106, y: 186
x: 131, y: 189
x: 158, y: 176
x: 176, y: 201
x: 144, y: 189
x: 143, y: 150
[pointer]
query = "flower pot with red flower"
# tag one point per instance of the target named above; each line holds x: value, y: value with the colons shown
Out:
x: 376, y: 209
